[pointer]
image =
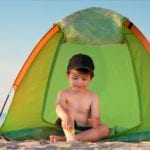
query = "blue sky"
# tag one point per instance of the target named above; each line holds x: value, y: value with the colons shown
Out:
x: 24, y: 22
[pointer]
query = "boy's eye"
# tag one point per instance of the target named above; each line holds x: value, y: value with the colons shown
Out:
x: 84, y: 79
x: 75, y: 78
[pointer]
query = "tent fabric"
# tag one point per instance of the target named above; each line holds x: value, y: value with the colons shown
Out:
x: 138, y: 34
x: 122, y: 59
x: 141, y: 62
x: 31, y: 91
x: 34, y: 53
x: 120, y: 76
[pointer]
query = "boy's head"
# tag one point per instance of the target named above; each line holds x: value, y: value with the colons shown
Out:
x: 81, y: 62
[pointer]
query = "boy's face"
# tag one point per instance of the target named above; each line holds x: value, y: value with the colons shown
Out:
x: 78, y: 81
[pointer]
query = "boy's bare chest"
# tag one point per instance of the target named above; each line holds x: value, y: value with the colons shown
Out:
x: 79, y: 104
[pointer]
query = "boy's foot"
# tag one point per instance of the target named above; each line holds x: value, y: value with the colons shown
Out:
x: 56, y: 138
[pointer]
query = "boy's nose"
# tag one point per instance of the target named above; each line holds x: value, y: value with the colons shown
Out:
x: 80, y: 82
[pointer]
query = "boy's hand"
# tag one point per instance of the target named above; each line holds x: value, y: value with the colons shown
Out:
x: 67, y: 123
x: 93, y: 122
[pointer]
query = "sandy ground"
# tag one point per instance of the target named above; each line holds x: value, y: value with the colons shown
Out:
x: 47, y: 145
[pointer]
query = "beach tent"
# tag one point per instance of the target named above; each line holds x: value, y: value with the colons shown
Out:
x: 122, y: 60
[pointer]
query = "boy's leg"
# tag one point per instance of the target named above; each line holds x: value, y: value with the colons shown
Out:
x: 90, y: 135
x: 93, y: 134
x: 69, y: 135
x: 56, y: 138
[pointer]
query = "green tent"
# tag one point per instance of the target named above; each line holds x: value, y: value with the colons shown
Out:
x: 122, y: 59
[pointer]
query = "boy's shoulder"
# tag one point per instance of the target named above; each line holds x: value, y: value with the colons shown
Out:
x: 93, y: 95
x: 63, y: 92
x: 92, y: 92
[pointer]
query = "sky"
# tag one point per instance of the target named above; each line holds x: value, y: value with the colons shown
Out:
x: 24, y: 22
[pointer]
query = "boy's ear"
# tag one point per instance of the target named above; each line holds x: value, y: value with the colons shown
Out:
x: 91, y: 79
x: 67, y: 74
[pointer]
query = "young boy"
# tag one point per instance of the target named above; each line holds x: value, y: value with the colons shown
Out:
x: 77, y: 107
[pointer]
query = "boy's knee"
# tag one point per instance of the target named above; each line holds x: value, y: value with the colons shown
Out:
x: 105, y: 130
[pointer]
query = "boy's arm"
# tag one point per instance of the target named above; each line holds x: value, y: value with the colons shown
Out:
x: 94, y: 121
x: 61, y: 112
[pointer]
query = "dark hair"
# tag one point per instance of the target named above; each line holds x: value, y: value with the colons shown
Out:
x: 84, y: 71
x: 82, y: 63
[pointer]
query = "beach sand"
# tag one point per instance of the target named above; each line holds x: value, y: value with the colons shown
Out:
x: 47, y: 145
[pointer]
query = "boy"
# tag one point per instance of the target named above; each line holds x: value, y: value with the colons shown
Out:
x: 77, y: 107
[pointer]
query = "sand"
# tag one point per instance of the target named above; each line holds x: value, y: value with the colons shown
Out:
x: 47, y: 145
